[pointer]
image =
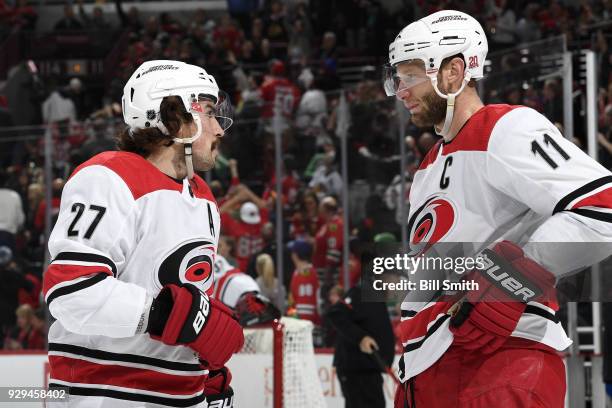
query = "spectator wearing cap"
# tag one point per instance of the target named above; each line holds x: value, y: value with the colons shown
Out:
x: 245, y: 231
x: 304, y: 287
x: 278, y: 93
x: 269, y: 285
x: 12, y: 216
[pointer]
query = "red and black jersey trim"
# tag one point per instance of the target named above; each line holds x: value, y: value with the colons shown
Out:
x: 130, y: 396
x: 563, y: 204
x: 417, y: 344
x: 600, y: 216
x: 408, y: 313
x: 127, y: 358
x: 75, y: 287
x: 86, y: 257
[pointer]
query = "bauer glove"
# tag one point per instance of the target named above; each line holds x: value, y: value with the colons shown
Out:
x: 183, y: 315
x: 487, y: 316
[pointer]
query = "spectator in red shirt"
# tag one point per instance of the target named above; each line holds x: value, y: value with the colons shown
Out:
x: 304, y: 287
x: 246, y: 232
x: 278, y: 92
x: 327, y: 254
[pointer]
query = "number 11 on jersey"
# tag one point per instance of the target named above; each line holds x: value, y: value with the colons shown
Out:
x: 549, y: 142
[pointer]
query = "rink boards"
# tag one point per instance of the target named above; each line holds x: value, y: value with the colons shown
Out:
x: 252, y: 378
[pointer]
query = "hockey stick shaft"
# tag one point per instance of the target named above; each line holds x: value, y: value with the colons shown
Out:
x: 384, y: 366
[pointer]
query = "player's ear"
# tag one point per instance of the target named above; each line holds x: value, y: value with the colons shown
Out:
x: 453, y: 71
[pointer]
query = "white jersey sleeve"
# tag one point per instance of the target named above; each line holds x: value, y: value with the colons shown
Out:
x: 530, y: 161
x: 94, y: 233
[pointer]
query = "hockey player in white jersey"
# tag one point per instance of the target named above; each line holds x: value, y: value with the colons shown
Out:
x: 239, y: 291
x: 503, y: 175
x: 133, y: 251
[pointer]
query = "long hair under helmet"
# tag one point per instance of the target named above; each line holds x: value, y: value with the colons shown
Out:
x: 154, y: 80
x: 432, y: 39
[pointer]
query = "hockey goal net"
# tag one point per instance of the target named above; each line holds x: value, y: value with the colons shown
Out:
x: 295, y: 381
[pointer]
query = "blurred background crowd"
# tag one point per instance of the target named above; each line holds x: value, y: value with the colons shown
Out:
x: 317, y: 61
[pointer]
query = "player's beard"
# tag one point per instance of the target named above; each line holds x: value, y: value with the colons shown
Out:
x: 206, y: 161
x: 432, y: 112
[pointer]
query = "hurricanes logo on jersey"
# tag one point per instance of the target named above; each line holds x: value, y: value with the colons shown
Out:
x: 190, y: 263
x: 430, y: 223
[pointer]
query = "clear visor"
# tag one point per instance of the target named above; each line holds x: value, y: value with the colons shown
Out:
x: 395, y: 82
x: 221, y: 109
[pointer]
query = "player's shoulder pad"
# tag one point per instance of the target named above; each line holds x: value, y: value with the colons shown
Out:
x: 518, y: 123
x: 476, y: 133
x: 139, y: 175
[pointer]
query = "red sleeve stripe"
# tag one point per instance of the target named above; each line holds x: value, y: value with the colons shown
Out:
x: 82, y: 258
x: 75, y: 287
x: 601, y: 197
x: 64, y: 275
x: 122, y: 378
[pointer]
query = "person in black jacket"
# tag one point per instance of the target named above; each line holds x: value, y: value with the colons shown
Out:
x: 362, y: 328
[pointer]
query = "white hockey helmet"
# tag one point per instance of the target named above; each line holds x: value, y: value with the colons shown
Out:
x: 154, y: 80
x: 432, y: 39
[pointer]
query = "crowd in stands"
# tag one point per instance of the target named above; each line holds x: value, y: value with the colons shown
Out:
x: 271, y: 57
